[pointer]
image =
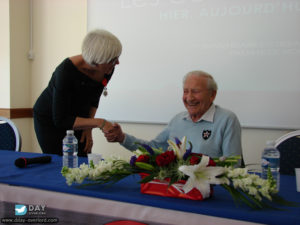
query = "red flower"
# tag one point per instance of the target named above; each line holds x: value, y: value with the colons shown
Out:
x: 104, y: 82
x: 165, y: 158
x: 211, y: 162
x: 195, y: 159
x: 143, y: 158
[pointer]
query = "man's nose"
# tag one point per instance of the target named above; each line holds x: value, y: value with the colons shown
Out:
x: 189, y: 97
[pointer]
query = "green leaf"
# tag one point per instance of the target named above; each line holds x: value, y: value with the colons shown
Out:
x: 230, y: 161
x: 92, y: 164
x: 64, y: 171
x: 142, y: 149
x: 157, y: 151
x: 279, y: 200
x: 144, y: 166
x: 238, y: 197
x: 148, y: 178
x: 173, y: 180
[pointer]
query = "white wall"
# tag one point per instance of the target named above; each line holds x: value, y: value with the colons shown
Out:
x: 59, y: 27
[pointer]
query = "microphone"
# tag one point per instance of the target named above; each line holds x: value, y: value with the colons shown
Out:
x: 23, y: 162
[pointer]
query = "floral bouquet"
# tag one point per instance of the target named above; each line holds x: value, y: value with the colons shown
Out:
x: 178, y: 172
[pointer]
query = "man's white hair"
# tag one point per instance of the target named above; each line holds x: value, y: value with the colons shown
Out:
x: 211, y: 83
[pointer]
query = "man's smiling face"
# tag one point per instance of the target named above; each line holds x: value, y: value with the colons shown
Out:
x: 196, y: 97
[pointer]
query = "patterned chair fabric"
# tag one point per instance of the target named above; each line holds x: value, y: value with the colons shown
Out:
x: 10, y: 138
x: 289, y: 147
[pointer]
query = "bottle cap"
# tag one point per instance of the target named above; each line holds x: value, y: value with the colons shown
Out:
x: 271, y: 143
x: 70, y: 132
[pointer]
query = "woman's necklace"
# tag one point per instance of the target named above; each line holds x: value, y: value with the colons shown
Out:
x: 104, y: 83
x: 105, y: 93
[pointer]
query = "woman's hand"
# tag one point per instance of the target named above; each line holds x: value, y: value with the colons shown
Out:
x: 88, y: 139
x: 107, y: 126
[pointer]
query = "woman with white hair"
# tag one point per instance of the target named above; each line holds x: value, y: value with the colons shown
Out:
x: 72, y: 96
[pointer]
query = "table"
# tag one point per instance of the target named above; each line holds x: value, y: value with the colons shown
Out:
x: 44, y: 184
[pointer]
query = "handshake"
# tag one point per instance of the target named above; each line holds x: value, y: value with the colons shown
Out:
x: 113, y: 132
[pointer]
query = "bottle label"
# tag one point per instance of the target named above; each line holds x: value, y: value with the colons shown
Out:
x: 270, y: 162
x: 67, y: 148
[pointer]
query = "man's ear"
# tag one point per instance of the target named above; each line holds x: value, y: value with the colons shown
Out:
x: 213, y: 95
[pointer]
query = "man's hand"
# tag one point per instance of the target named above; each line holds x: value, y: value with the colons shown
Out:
x: 114, y: 134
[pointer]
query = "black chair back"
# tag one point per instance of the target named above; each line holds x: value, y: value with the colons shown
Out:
x: 10, y: 138
x: 289, y: 147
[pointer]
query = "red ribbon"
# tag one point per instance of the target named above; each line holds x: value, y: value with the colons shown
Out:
x: 162, y: 188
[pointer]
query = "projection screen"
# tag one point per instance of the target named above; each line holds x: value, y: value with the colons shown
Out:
x: 251, y: 47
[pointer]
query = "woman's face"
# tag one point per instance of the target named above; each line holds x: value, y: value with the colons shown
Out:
x: 99, y: 70
x: 109, y: 67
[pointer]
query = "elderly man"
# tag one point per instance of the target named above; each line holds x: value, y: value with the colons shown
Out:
x: 212, y: 130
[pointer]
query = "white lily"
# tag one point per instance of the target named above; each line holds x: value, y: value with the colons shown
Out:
x: 201, y: 176
x: 179, y: 150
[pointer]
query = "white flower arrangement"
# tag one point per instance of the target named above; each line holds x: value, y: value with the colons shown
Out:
x: 199, y: 171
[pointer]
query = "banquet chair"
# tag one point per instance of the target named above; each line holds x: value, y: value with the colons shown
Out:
x: 10, y: 138
x: 289, y: 147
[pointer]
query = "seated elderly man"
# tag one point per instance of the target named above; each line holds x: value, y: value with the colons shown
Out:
x: 212, y: 130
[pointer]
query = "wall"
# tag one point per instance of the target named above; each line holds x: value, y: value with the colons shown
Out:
x: 4, y: 54
x: 20, y: 73
x: 20, y: 66
x: 59, y: 27
x: 14, y: 65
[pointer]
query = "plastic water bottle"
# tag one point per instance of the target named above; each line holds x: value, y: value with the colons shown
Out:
x: 70, y: 150
x: 271, y: 158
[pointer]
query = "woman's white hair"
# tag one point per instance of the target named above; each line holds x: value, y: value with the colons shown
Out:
x: 100, y: 46
x: 211, y: 83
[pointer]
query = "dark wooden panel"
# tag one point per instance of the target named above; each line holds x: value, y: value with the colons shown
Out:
x: 16, y: 113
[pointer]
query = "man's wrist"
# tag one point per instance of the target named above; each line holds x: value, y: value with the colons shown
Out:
x: 122, y: 138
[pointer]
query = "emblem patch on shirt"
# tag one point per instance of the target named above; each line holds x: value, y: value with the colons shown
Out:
x: 206, y: 134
